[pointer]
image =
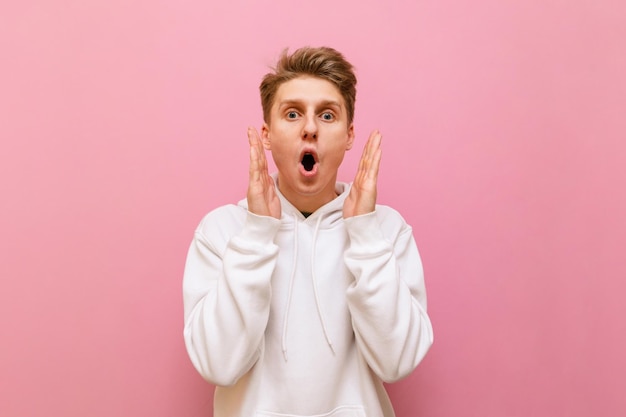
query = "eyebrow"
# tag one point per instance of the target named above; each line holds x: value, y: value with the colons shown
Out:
x: 296, y: 102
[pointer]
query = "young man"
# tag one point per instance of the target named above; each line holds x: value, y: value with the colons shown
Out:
x: 303, y: 298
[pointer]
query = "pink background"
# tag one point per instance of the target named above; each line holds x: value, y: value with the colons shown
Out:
x: 123, y: 122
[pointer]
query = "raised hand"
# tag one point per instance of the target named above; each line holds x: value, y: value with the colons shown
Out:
x: 262, y: 198
x: 362, y: 197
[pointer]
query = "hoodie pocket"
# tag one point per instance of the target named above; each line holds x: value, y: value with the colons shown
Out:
x: 343, y: 411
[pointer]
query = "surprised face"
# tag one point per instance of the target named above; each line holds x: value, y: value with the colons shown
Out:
x: 308, y: 135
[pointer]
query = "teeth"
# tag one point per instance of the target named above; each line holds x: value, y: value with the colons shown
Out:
x: 308, y: 161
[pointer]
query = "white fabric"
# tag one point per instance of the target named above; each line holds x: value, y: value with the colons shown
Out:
x: 304, y: 316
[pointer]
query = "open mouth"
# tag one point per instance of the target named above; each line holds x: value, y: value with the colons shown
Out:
x: 308, y: 162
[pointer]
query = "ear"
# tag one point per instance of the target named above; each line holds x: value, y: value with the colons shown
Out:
x: 350, y: 141
x: 265, y: 136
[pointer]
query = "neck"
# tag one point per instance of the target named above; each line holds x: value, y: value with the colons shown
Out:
x: 308, y: 202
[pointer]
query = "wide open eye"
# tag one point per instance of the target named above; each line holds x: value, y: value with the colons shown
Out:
x: 292, y: 115
x: 327, y: 116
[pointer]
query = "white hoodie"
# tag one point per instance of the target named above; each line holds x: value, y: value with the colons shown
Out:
x: 304, y: 316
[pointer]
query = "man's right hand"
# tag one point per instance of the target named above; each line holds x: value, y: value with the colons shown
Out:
x: 262, y: 198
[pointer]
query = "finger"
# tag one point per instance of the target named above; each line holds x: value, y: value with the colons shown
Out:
x: 375, y: 164
x: 365, y: 155
x: 255, y: 156
x: 369, y: 153
x: 254, y: 165
x: 375, y: 154
x: 373, y: 143
x: 260, y: 149
x: 366, y: 149
x: 253, y: 137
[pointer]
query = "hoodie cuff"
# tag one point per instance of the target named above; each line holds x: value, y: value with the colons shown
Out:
x: 364, y: 230
x: 259, y: 229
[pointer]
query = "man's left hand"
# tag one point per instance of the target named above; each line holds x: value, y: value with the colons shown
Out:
x: 362, y: 197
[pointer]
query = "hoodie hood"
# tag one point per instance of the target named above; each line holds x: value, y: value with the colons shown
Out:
x: 331, y: 212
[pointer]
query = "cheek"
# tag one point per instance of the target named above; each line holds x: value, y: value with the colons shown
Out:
x: 281, y: 150
x: 340, y: 141
x: 336, y: 152
x: 280, y: 132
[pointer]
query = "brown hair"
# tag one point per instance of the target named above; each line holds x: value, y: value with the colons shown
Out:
x: 323, y: 62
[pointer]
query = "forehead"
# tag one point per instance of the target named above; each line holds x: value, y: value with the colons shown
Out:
x: 308, y: 90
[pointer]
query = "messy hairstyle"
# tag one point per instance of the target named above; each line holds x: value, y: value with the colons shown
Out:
x: 325, y: 63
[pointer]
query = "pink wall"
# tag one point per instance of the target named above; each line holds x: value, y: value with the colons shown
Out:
x: 122, y: 123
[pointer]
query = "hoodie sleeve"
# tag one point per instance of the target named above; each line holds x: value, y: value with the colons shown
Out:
x: 387, y: 301
x: 226, y: 295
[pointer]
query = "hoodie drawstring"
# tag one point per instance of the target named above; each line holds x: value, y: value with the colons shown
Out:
x: 315, y: 292
x: 291, y: 279
x: 313, y: 276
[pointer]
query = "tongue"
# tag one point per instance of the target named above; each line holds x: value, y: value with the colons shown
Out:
x: 308, y: 162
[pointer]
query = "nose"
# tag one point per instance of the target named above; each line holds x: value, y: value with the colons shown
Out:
x: 310, y: 128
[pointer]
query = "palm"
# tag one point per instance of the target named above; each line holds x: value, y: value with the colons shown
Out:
x: 262, y: 198
x: 362, y: 196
